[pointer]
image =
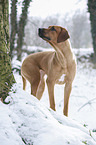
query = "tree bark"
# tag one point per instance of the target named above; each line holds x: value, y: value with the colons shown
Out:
x: 92, y: 11
x: 6, y: 75
x: 21, y: 27
x: 13, y: 26
x: 17, y: 27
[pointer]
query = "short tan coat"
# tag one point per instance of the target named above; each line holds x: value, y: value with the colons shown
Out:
x: 54, y: 64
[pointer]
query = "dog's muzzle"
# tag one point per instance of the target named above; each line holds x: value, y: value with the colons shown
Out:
x: 41, y: 34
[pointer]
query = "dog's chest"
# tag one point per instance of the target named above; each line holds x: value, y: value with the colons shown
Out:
x: 61, y: 79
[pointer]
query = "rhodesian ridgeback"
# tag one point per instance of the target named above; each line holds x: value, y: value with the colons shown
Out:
x: 54, y: 64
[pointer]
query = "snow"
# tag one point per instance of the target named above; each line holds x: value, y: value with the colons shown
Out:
x: 27, y: 120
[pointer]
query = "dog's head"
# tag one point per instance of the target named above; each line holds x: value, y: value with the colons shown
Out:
x: 54, y: 34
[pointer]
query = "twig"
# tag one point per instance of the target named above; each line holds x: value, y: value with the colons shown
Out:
x: 89, y: 102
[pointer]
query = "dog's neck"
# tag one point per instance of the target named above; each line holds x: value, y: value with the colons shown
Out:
x: 64, y: 52
x: 60, y: 56
x: 65, y: 48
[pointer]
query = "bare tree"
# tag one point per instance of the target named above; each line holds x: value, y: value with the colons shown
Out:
x: 6, y: 75
x: 92, y: 11
x: 80, y: 32
x: 18, y: 27
x: 13, y: 26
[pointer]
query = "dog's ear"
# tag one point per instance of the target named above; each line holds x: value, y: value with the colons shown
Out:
x: 63, y: 35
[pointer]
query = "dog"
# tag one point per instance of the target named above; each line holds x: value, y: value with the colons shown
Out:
x: 54, y: 64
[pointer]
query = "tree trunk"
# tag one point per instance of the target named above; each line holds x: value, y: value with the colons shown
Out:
x: 13, y: 26
x: 6, y: 75
x: 21, y: 27
x: 92, y: 11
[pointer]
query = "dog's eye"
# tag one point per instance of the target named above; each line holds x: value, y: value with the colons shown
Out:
x: 52, y: 29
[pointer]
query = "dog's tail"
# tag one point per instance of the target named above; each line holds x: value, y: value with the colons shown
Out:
x: 24, y: 83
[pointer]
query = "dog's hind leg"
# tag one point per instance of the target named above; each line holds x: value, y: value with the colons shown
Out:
x: 32, y: 74
x: 24, y: 83
x: 41, y: 85
x: 35, y: 82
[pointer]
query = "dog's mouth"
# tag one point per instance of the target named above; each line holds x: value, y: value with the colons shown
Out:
x: 41, y: 34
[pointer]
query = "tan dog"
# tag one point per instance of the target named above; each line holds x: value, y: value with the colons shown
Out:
x: 54, y: 64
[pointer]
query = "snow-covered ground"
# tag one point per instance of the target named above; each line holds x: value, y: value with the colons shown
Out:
x: 29, y: 121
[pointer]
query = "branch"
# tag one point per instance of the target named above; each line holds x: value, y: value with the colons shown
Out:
x: 89, y: 102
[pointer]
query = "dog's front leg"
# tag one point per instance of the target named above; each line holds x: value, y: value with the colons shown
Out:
x: 67, y: 91
x: 50, y: 86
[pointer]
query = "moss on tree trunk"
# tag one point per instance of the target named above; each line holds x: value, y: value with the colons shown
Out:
x: 92, y: 11
x: 6, y: 75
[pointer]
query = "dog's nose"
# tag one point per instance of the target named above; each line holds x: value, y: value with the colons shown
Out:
x: 40, y: 31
